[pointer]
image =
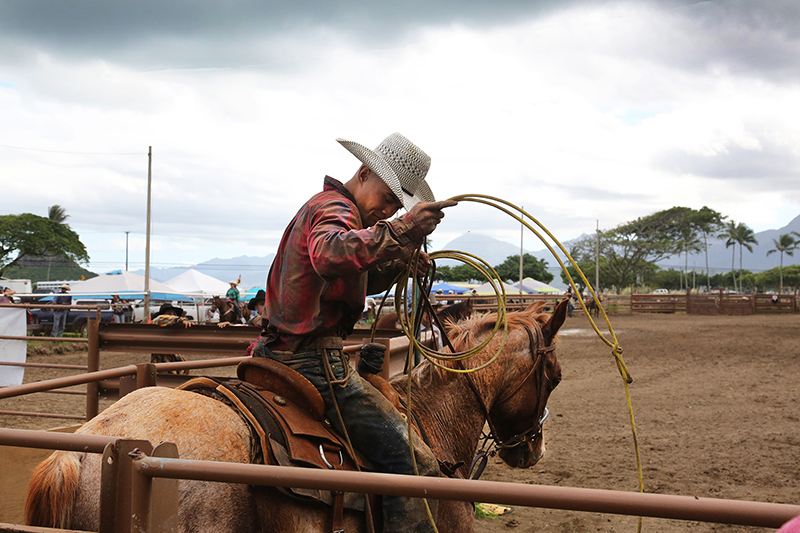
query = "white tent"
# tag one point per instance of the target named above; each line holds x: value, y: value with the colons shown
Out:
x: 195, y: 282
x: 532, y: 286
x: 120, y: 282
x: 486, y: 288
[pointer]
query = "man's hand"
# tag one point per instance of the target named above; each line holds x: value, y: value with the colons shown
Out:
x: 423, y: 264
x: 427, y: 215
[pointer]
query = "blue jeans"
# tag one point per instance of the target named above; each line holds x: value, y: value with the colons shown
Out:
x: 377, y: 430
x: 59, y: 321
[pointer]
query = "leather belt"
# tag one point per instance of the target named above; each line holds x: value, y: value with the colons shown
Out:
x: 326, y: 343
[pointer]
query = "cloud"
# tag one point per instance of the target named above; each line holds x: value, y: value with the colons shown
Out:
x: 577, y: 110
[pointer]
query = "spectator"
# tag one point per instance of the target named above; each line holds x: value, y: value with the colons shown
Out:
x: 4, y: 297
x: 60, y: 315
x: 119, y: 308
x: 168, y: 315
x: 570, y: 306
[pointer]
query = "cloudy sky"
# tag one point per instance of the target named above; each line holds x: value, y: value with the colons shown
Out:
x: 579, y: 111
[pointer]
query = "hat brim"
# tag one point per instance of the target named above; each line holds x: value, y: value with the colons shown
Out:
x: 251, y: 305
x: 379, y: 166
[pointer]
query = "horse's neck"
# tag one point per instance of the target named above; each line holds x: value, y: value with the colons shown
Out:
x: 448, y: 410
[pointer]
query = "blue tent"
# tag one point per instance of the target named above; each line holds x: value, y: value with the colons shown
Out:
x: 447, y: 287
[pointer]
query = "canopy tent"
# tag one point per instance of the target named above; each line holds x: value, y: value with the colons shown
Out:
x: 252, y: 292
x: 531, y: 286
x: 447, y: 287
x: 196, y: 283
x: 126, y: 284
x: 486, y: 288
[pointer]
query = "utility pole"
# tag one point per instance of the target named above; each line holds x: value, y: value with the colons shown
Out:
x: 597, y: 259
x: 147, y: 238
x: 126, y: 250
x: 521, y: 235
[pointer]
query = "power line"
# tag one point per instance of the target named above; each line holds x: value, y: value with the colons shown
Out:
x: 68, y: 152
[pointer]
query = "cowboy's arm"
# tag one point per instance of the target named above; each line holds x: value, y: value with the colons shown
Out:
x: 336, y: 249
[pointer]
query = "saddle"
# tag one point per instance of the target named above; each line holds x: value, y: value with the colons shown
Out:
x: 286, y: 417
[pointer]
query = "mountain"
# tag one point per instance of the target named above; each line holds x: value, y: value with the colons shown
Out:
x: 495, y: 251
x: 491, y: 250
x: 252, y: 269
x: 719, y: 257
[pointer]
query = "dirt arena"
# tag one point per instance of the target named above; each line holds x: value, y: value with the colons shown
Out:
x: 715, y: 401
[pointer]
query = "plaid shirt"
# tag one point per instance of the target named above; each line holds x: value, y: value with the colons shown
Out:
x: 326, y: 265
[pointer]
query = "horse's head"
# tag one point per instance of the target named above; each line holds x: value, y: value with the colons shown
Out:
x: 518, y: 412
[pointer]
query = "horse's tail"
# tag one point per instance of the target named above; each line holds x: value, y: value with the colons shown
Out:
x: 52, y: 490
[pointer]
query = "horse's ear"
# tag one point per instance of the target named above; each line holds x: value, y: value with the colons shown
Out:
x: 556, y: 321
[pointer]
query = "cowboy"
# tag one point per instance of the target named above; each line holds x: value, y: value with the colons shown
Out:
x: 338, y: 248
x: 233, y: 297
x: 255, y: 304
x: 60, y: 315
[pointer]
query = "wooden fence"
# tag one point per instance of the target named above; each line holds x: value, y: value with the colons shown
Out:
x: 717, y: 303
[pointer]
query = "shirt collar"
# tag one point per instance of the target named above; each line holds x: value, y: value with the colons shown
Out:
x: 332, y: 184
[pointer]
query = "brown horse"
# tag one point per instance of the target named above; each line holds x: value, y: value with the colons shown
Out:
x: 592, y: 307
x: 65, y: 489
x: 225, y: 308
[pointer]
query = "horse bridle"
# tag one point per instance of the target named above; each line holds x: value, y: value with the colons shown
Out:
x: 539, y: 367
x: 492, y: 443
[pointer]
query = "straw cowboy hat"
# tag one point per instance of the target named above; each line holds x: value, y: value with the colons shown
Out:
x: 65, y: 286
x: 401, y: 164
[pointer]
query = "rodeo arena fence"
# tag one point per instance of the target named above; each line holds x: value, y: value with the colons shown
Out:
x: 139, y: 481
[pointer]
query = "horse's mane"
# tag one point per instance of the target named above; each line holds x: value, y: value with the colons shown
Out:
x: 468, y: 333
x: 464, y: 334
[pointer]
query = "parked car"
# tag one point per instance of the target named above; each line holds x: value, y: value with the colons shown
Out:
x: 661, y: 291
x: 41, y: 320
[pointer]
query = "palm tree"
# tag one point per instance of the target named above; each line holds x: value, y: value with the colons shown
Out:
x: 745, y: 238
x: 785, y: 244
x: 57, y: 213
x: 729, y: 233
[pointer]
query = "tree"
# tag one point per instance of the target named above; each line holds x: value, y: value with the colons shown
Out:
x: 745, y: 237
x: 32, y: 235
x: 707, y: 222
x: 57, y: 213
x: 785, y: 244
x: 729, y: 233
x: 462, y: 272
x: 531, y: 268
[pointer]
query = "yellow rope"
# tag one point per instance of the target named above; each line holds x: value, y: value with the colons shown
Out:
x: 411, y: 320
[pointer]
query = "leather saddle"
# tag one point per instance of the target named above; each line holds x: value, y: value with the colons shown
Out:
x: 286, y: 416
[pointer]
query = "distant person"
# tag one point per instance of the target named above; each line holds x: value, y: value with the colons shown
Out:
x: 233, y: 297
x: 168, y: 315
x: 570, y: 306
x: 5, y: 298
x: 774, y: 299
x: 119, y: 308
x: 255, y: 304
x: 60, y: 315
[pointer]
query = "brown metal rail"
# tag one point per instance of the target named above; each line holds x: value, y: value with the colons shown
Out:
x: 137, y: 496
x: 578, y: 499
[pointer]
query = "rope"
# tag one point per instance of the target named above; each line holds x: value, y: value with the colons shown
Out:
x: 411, y: 322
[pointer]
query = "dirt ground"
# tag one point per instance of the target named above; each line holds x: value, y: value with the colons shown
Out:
x: 715, y: 402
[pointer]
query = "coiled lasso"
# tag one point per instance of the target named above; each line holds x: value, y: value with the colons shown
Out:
x: 410, y: 321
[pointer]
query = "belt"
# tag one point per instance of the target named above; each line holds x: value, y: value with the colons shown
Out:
x: 327, y: 343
